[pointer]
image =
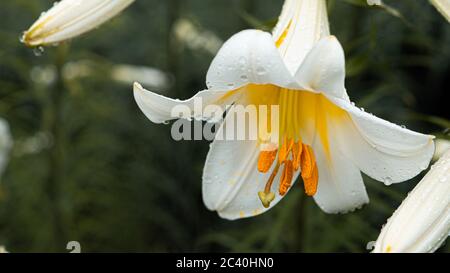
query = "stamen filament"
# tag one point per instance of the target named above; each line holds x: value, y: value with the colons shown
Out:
x: 267, y: 196
x: 271, y: 178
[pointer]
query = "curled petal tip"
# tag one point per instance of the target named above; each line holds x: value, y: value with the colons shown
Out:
x: 137, y: 86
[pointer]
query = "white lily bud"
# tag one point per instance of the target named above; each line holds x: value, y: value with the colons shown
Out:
x: 70, y: 18
x: 443, y: 6
x: 422, y: 222
x: 442, y: 146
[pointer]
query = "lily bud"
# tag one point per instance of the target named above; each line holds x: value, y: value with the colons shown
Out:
x: 422, y: 222
x: 70, y: 18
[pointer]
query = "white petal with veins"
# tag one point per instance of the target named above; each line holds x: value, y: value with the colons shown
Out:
x: 341, y: 188
x: 159, y: 108
x: 250, y: 56
x: 323, y: 69
x: 382, y: 150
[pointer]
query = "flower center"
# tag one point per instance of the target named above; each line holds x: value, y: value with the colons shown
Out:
x: 302, y: 119
x: 290, y: 154
x: 293, y: 156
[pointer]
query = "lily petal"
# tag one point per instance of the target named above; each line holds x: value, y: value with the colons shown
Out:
x: 249, y: 56
x: 383, y: 150
x: 160, y: 109
x: 323, y: 69
x: 231, y: 180
x: 341, y: 188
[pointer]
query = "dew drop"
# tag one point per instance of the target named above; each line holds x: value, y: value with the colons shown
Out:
x: 424, y: 167
x: 387, y: 181
x: 38, y: 51
x: 370, y: 245
x: 260, y: 70
x: 244, y: 77
x: 242, y: 61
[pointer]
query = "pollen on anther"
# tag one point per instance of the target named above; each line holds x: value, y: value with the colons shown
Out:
x: 265, y: 160
x: 286, y: 177
x: 296, y: 155
x: 309, y: 170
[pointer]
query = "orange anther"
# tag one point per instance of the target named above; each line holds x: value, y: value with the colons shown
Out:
x: 311, y: 183
x: 307, y: 161
x: 296, y: 155
x: 265, y: 160
x: 310, y: 173
x: 286, y: 177
x: 285, y: 149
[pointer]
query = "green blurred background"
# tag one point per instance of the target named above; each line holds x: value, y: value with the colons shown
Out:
x: 88, y: 166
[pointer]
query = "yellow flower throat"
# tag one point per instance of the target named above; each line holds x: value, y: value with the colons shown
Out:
x: 297, y: 110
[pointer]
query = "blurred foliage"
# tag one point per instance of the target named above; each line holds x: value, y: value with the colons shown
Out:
x: 88, y: 166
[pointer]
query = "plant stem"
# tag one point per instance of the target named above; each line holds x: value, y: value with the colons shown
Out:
x: 56, y: 154
x: 302, y: 223
x: 173, y: 10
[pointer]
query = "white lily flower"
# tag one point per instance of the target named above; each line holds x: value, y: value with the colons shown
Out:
x: 321, y: 135
x: 443, y: 6
x: 70, y: 18
x: 422, y: 222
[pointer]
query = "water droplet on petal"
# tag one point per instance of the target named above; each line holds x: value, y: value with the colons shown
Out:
x: 260, y: 70
x: 387, y: 181
x: 38, y: 51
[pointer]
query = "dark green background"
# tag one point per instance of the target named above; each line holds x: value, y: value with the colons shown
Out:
x: 107, y: 177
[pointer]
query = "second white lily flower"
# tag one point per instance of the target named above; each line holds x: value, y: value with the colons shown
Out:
x: 70, y: 18
x: 422, y: 222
